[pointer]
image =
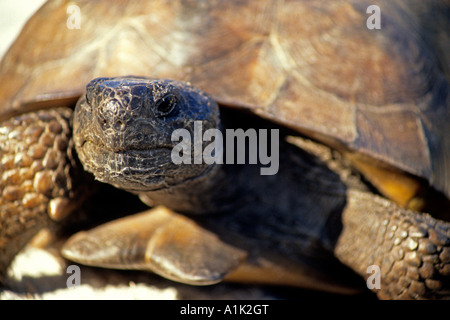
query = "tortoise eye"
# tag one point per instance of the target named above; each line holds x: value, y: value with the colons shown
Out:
x: 166, y: 105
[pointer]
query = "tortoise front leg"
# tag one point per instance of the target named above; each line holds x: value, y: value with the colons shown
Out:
x: 178, y: 248
x: 38, y: 177
x: 160, y: 241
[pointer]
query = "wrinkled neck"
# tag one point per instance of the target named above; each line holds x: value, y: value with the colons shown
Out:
x: 200, y: 195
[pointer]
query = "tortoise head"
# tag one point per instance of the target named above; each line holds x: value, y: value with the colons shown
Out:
x: 123, y: 130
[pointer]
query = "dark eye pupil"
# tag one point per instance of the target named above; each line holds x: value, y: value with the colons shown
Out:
x: 166, y: 105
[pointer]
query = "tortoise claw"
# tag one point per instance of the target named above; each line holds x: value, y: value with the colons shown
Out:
x: 158, y: 240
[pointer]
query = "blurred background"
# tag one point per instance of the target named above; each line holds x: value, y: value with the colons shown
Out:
x: 13, y: 15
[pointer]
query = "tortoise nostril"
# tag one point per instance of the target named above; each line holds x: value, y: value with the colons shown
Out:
x: 103, y: 123
x: 119, y: 125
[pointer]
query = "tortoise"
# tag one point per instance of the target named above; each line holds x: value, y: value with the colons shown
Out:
x: 359, y: 122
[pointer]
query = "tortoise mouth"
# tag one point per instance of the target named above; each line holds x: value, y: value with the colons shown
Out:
x: 98, y: 146
x: 134, y: 169
x: 143, y: 154
x: 129, y: 169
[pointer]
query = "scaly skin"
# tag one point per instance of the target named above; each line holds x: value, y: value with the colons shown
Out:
x: 411, y: 249
x: 38, y: 176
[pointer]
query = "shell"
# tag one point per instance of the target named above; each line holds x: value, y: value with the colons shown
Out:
x: 313, y: 67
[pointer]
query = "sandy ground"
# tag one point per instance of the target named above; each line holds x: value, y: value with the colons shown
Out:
x: 41, y: 274
x: 13, y: 15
